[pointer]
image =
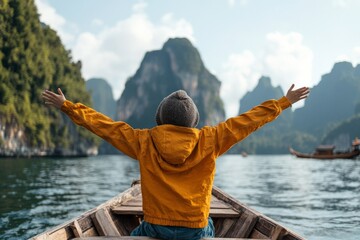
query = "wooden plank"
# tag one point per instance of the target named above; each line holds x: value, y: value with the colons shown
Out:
x: 290, y: 236
x: 258, y: 235
x: 214, y: 212
x: 116, y: 238
x: 126, y: 223
x: 85, y: 223
x: 218, y: 193
x: 61, y: 234
x: 104, y: 224
x: 122, y: 197
x: 149, y: 238
x: 219, y: 204
x: 265, y: 227
x: 215, y: 203
x: 77, y: 229
x: 244, y: 225
x: 91, y: 232
x: 127, y: 210
x: 224, y: 213
x: 133, y: 203
x: 223, y: 225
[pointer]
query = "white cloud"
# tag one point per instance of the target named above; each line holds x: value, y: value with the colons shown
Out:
x: 286, y: 60
x: 232, y: 3
x: 353, y: 57
x: 356, y: 55
x: 49, y: 16
x: 238, y: 74
x: 115, y: 52
x: 341, y: 3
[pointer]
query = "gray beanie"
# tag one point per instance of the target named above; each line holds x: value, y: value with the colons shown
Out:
x: 177, y: 109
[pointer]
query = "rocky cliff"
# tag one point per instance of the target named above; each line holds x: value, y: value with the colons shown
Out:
x: 102, y: 96
x: 33, y: 59
x: 104, y: 102
x: 177, y: 65
x: 333, y: 100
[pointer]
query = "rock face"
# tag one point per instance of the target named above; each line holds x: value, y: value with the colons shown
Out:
x: 103, y: 101
x: 102, y: 96
x: 33, y: 59
x: 333, y: 100
x: 262, y: 92
x: 177, y: 65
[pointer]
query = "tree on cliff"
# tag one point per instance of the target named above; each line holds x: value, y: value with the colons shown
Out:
x: 33, y: 58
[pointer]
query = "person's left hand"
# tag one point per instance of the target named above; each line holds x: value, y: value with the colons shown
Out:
x: 53, y: 99
x: 295, y: 95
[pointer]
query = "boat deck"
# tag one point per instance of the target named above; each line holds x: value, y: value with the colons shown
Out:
x: 115, y: 219
x: 148, y: 238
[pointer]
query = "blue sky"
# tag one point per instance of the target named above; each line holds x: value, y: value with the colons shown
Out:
x: 293, y: 41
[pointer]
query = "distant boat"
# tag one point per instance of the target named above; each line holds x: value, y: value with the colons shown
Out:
x: 116, y: 218
x: 327, y: 152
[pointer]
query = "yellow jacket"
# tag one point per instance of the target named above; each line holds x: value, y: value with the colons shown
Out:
x: 177, y: 164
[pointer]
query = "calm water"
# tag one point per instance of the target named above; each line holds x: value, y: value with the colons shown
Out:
x: 317, y: 199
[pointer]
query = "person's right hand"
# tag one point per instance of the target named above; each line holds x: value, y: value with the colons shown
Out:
x: 295, y: 95
x: 53, y: 99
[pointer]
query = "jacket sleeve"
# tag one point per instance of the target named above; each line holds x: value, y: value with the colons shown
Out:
x: 237, y: 128
x: 119, y: 134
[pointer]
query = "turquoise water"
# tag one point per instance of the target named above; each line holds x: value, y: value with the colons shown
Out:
x: 317, y: 199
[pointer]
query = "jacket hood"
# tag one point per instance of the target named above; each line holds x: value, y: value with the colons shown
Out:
x: 174, y: 144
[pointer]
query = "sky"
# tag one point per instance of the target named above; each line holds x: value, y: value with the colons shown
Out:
x: 239, y: 41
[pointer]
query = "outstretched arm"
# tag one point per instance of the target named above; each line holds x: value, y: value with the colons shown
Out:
x: 119, y: 134
x: 237, y: 128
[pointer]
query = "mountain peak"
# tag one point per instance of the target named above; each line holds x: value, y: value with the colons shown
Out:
x: 177, y: 65
x: 340, y: 67
x: 264, y: 82
x: 184, y: 56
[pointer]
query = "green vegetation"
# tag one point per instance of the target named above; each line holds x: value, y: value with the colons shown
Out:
x: 32, y: 58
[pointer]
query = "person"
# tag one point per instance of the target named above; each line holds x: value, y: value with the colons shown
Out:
x: 356, y: 144
x: 177, y: 160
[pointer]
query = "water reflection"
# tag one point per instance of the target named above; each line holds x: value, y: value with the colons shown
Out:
x: 318, y: 199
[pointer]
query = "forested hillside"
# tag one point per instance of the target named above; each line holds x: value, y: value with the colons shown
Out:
x: 33, y: 59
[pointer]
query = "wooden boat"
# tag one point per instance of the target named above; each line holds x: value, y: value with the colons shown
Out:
x: 326, y: 152
x: 116, y: 218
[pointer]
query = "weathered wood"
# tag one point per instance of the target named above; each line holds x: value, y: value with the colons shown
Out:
x: 223, y: 225
x: 104, y: 224
x: 123, y: 197
x: 126, y: 223
x: 289, y: 236
x: 61, y: 234
x: 126, y: 210
x: 219, y: 204
x: 77, y: 229
x: 244, y: 225
x: 258, y: 235
x: 214, y: 212
x: 265, y: 227
x: 85, y: 223
x: 215, y: 203
x: 149, y: 238
x: 232, y: 220
x: 218, y: 193
x: 91, y: 232
x: 223, y: 213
